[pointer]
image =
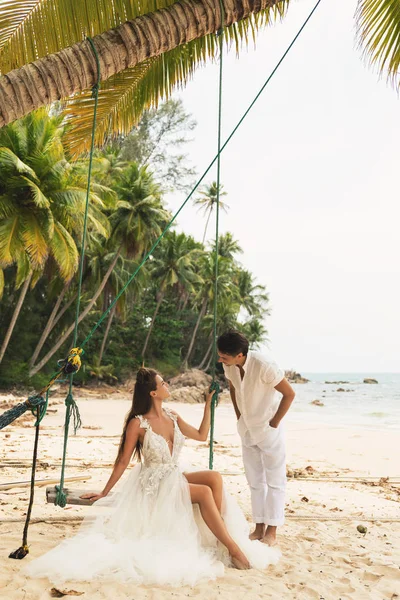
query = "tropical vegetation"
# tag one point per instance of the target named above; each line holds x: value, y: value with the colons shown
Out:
x: 165, y: 315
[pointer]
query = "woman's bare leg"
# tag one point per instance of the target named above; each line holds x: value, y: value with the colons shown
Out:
x: 202, y: 495
x: 212, y: 479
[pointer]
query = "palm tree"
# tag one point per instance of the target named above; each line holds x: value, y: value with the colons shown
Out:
x: 138, y: 220
x: 253, y: 297
x: 255, y: 332
x: 227, y: 313
x: 378, y: 25
x: 208, y: 201
x: 99, y: 259
x: 206, y: 291
x: 173, y: 265
x: 141, y: 60
x: 41, y: 197
x: 227, y: 246
x: 145, y: 48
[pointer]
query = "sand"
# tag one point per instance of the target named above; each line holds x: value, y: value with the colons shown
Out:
x: 324, y: 556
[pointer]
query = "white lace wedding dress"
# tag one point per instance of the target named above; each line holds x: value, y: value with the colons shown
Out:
x: 150, y: 532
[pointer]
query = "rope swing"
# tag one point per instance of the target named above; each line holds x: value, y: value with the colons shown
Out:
x: 71, y: 364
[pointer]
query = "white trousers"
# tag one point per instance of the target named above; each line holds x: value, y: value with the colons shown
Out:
x: 265, y: 468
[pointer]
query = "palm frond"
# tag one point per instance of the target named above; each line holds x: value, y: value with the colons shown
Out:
x: 10, y: 243
x: 64, y: 251
x: 124, y: 97
x: 378, y: 28
x: 37, y: 195
x: 33, y: 239
x: 23, y: 269
x: 7, y: 207
x: 31, y: 29
x: 10, y: 161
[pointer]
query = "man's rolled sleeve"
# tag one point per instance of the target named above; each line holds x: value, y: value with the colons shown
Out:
x: 272, y: 374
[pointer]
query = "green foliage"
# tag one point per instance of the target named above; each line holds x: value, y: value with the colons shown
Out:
x: 169, y: 304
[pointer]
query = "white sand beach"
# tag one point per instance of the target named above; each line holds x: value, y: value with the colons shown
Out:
x: 324, y: 557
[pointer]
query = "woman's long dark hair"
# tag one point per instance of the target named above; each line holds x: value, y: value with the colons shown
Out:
x: 141, y: 404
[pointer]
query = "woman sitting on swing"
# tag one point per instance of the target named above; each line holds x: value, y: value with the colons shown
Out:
x: 153, y: 534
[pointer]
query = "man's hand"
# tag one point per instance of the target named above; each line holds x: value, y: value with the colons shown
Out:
x: 274, y: 424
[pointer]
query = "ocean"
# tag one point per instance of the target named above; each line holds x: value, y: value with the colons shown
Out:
x: 366, y: 405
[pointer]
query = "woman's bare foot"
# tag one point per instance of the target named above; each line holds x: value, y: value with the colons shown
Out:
x: 258, y: 532
x: 239, y: 560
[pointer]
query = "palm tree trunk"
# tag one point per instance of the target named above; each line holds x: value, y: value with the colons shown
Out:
x: 49, y: 325
x: 185, y: 302
x: 199, y: 319
x: 14, y: 318
x: 64, y: 310
x: 207, y: 354
x: 73, y: 69
x: 205, y: 230
x: 160, y: 299
x: 107, y: 331
x: 83, y: 314
x: 209, y: 363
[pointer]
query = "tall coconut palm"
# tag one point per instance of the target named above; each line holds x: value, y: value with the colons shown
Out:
x: 41, y: 198
x: 255, y: 332
x: 137, y: 221
x: 140, y: 58
x: 253, y: 297
x: 173, y: 265
x: 227, y: 314
x: 207, y: 201
x: 205, y: 294
x: 155, y: 45
x: 99, y: 260
x: 228, y: 246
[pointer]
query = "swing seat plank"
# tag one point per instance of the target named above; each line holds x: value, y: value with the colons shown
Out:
x: 73, y: 495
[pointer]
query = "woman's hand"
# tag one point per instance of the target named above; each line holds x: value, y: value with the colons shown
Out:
x: 208, y: 395
x: 92, y: 496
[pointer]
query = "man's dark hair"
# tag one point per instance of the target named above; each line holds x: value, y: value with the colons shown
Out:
x: 233, y: 342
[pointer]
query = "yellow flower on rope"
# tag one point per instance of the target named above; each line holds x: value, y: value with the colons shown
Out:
x: 73, y: 362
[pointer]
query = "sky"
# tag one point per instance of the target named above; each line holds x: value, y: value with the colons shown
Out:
x: 311, y: 179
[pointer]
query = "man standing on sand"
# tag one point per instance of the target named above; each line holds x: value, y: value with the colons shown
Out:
x: 253, y: 383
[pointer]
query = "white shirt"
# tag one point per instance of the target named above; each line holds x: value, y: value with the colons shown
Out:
x: 256, y: 396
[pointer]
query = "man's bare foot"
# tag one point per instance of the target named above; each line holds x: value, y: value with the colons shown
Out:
x: 270, y: 540
x: 258, y: 532
x: 269, y: 537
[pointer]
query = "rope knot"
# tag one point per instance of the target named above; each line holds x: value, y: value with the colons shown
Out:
x: 61, y: 497
x: 35, y: 400
x: 73, y: 362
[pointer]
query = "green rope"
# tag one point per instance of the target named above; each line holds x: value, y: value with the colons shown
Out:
x: 72, y: 407
x: 224, y: 145
x: 23, y: 550
x: 215, y: 385
x: 70, y: 403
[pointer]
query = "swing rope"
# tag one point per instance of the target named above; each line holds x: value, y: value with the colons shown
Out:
x: 72, y: 363
x: 71, y: 406
x: 215, y: 385
x: 69, y: 366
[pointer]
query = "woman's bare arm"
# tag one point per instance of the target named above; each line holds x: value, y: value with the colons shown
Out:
x: 201, y: 433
